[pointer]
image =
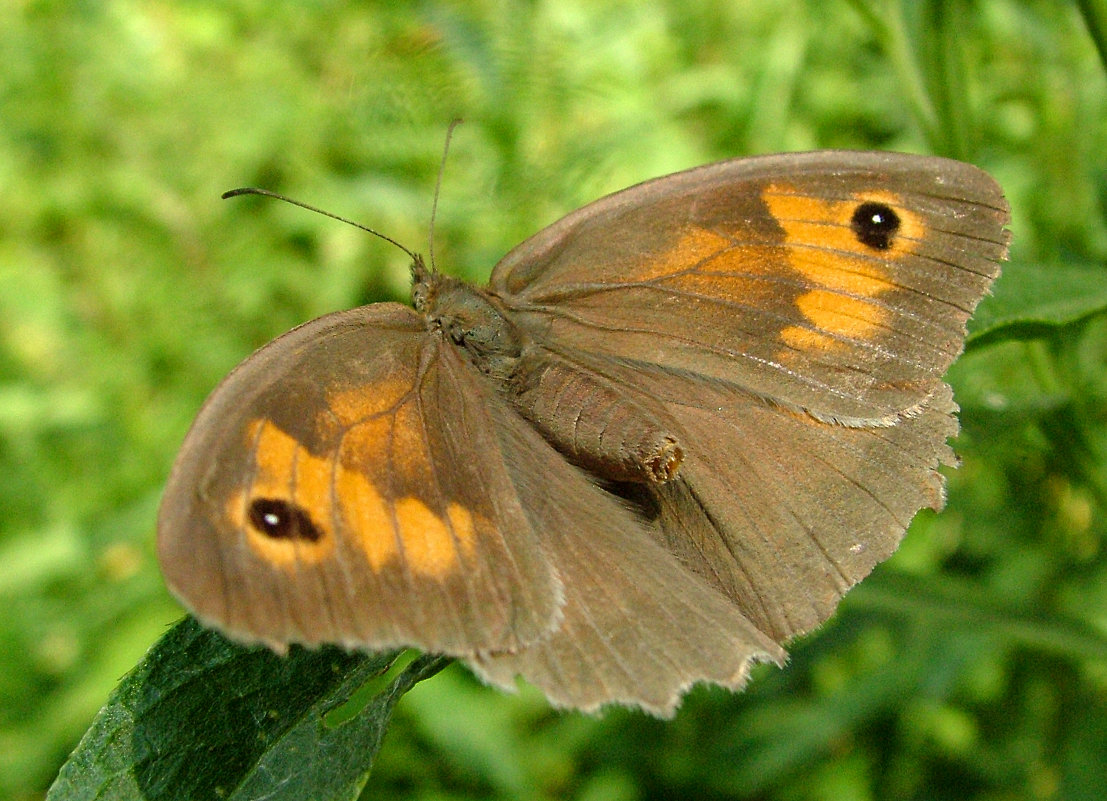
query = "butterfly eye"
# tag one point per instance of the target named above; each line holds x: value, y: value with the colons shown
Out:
x: 875, y: 225
x: 457, y: 332
x: 281, y: 520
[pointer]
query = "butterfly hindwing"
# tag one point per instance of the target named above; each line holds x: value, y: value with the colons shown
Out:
x: 639, y: 626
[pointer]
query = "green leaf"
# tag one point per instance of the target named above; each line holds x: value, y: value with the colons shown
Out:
x: 950, y: 603
x: 942, y: 620
x: 201, y: 717
x: 1095, y: 17
x: 1030, y: 299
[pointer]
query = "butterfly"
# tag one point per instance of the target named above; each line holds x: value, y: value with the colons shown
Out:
x: 668, y: 436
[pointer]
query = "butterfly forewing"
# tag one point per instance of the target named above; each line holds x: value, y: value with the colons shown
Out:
x: 328, y: 493
x: 838, y: 283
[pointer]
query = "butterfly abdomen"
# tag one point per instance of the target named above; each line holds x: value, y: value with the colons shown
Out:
x: 598, y: 426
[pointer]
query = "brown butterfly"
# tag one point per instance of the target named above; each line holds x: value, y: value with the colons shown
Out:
x: 669, y: 435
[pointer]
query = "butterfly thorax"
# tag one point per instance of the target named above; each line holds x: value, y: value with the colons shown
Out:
x: 471, y: 319
x: 597, y: 425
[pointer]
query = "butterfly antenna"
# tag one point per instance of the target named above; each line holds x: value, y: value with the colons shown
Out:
x: 437, y: 190
x: 251, y: 190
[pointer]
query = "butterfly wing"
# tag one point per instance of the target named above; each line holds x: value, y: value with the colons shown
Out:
x: 790, y: 318
x: 834, y: 282
x: 345, y: 484
x: 803, y: 510
x: 779, y: 510
x: 638, y: 627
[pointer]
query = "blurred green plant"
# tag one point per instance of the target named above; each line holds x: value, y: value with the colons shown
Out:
x: 970, y: 665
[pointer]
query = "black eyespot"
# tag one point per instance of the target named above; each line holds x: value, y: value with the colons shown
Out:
x: 281, y: 520
x: 875, y: 225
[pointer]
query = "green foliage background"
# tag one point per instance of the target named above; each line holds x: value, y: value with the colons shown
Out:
x: 973, y: 664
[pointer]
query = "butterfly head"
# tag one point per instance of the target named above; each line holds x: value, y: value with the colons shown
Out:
x: 469, y: 318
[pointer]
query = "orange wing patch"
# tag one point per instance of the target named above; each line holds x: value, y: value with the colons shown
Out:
x: 695, y: 247
x: 351, y: 406
x: 829, y: 311
x: 387, y: 452
x: 284, y: 471
x: 824, y: 248
x: 386, y: 531
x: 430, y: 542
